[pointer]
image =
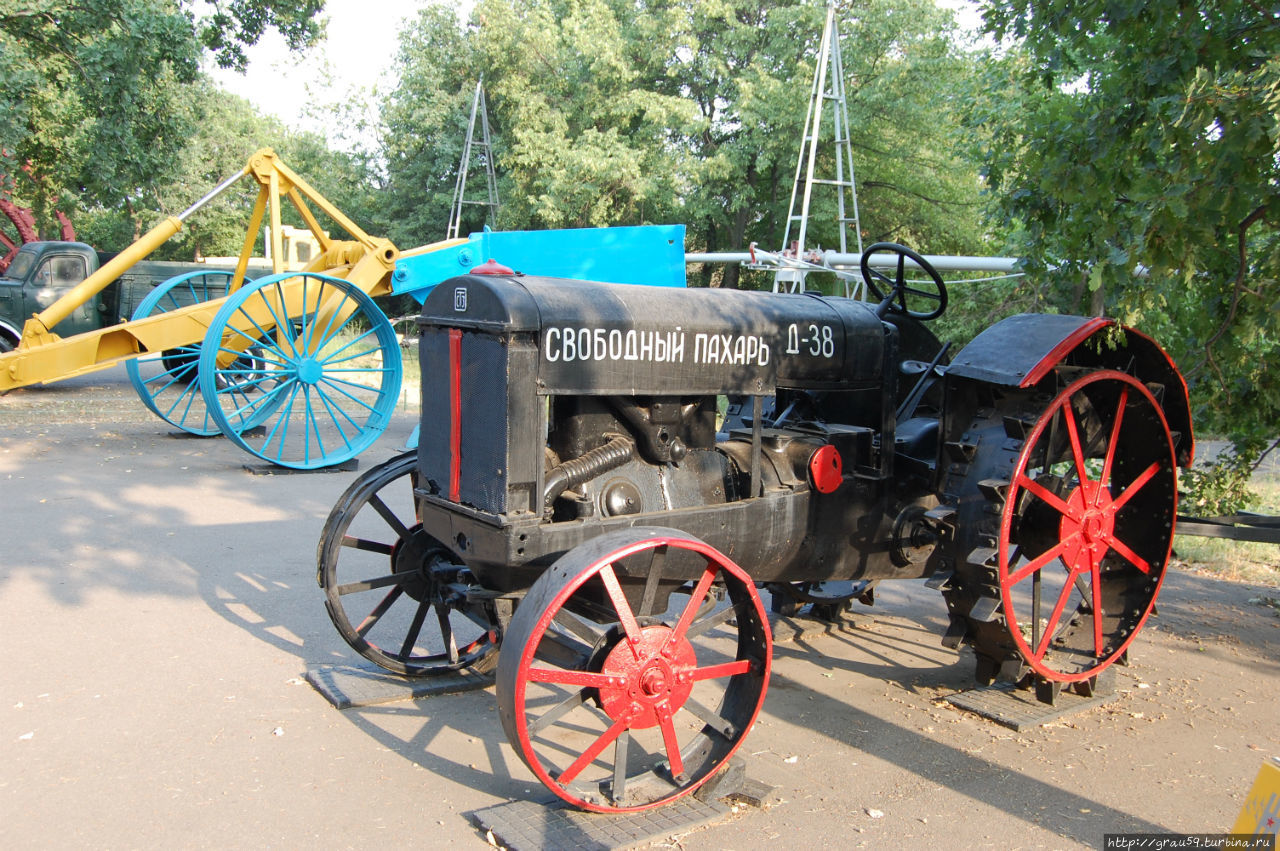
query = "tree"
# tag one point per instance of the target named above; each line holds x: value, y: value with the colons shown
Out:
x: 613, y: 112
x: 587, y: 133
x: 1137, y: 146
x: 425, y: 125
x: 94, y: 97
x: 231, y: 25
x: 750, y: 72
x: 89, y: 90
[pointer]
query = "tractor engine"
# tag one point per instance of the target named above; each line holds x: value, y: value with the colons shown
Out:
x: 766, y: 425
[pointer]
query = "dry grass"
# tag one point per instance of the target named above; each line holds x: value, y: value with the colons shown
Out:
x: 1235, y: 561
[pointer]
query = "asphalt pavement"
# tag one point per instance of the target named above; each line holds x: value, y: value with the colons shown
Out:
x: 160, y: 610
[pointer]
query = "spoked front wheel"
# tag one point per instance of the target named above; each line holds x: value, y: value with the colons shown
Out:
x: 618, y: 685
x: 393, y: 591
x: 329, y: 373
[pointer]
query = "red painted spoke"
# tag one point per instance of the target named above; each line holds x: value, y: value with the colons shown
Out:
x: 695, y: 601
x: 1115, y: 437
x: 625, y: 616
x: 1132, y: 557
x: 570, y: 678
x: 1135, y: 486
x: 1039, y: 561
x: 588, y: 756
x: 725, y: 669
x: 1055, y: 502
x: 670, y: 741
x: 1069, y: 414
x: 1052, y: 625
x: 1096, y: 579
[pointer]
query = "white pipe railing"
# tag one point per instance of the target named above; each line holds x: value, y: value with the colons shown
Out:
x: 833, y: 260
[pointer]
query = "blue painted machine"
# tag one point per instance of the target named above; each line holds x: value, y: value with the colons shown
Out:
x: 648, y: 254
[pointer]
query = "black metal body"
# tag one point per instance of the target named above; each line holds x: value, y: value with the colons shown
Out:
x: 557, y: 411
x: 605, y: 473
x: 544, y: 374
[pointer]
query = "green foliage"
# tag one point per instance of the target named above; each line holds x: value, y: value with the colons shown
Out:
x: 1125, y: 134
x: 1218, y: 490
x: 96, y: 96
x: 587, y: 135
x: 425, y: 122
x: 612, y: 112
x: 231, y: 25
x: 90, y: 94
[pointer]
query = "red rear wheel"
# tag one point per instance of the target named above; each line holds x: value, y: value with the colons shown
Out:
x: 1087, y: 526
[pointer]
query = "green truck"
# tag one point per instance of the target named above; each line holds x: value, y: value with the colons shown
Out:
x: 44, y: 271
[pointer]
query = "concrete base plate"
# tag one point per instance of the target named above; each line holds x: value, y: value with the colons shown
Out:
x: 365, y: 684
x: 534, y: 825
x: 348, y: 466
x: 1019, y: 709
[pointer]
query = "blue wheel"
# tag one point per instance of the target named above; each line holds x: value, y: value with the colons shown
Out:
x: 167, y: 383
x: 323, y: 374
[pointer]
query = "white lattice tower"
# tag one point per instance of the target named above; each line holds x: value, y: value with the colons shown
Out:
x: 827, y: 90
x: 483, y: 148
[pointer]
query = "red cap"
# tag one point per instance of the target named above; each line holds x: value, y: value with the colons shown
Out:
x: 826, y: 469
x: 493, y: 267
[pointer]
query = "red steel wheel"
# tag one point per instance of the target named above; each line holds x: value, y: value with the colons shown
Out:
x: 1087, y: 526
x: 617, y: 685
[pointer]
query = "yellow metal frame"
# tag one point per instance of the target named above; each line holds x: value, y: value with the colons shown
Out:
x: 42, y: 356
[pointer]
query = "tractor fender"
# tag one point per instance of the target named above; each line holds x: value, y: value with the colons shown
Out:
x: 1023, y: 350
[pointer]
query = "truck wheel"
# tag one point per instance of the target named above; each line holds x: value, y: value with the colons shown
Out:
x: 615, y: 705
x: 1064, y: 528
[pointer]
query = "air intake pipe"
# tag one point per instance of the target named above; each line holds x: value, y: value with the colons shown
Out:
x: 586, y: 467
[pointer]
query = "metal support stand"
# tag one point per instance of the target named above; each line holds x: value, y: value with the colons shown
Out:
x: 547, y: 824
x: 1024, y: 709
x: 828, y: 86
x: 485, y: 149
x: 365, y: 684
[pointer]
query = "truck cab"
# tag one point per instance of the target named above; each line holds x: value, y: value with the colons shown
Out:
x: 39, y: 275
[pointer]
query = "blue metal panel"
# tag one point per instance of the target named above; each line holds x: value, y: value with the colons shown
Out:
x: 650, y: 254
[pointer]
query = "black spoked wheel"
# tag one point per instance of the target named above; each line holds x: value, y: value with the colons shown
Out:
x: 395, y: 593
x: 620, y: 697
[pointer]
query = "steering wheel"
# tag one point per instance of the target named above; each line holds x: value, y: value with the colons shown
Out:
x: 895, y: 297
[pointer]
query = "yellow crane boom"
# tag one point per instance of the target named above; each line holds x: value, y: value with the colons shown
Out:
x: 42, y: 356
